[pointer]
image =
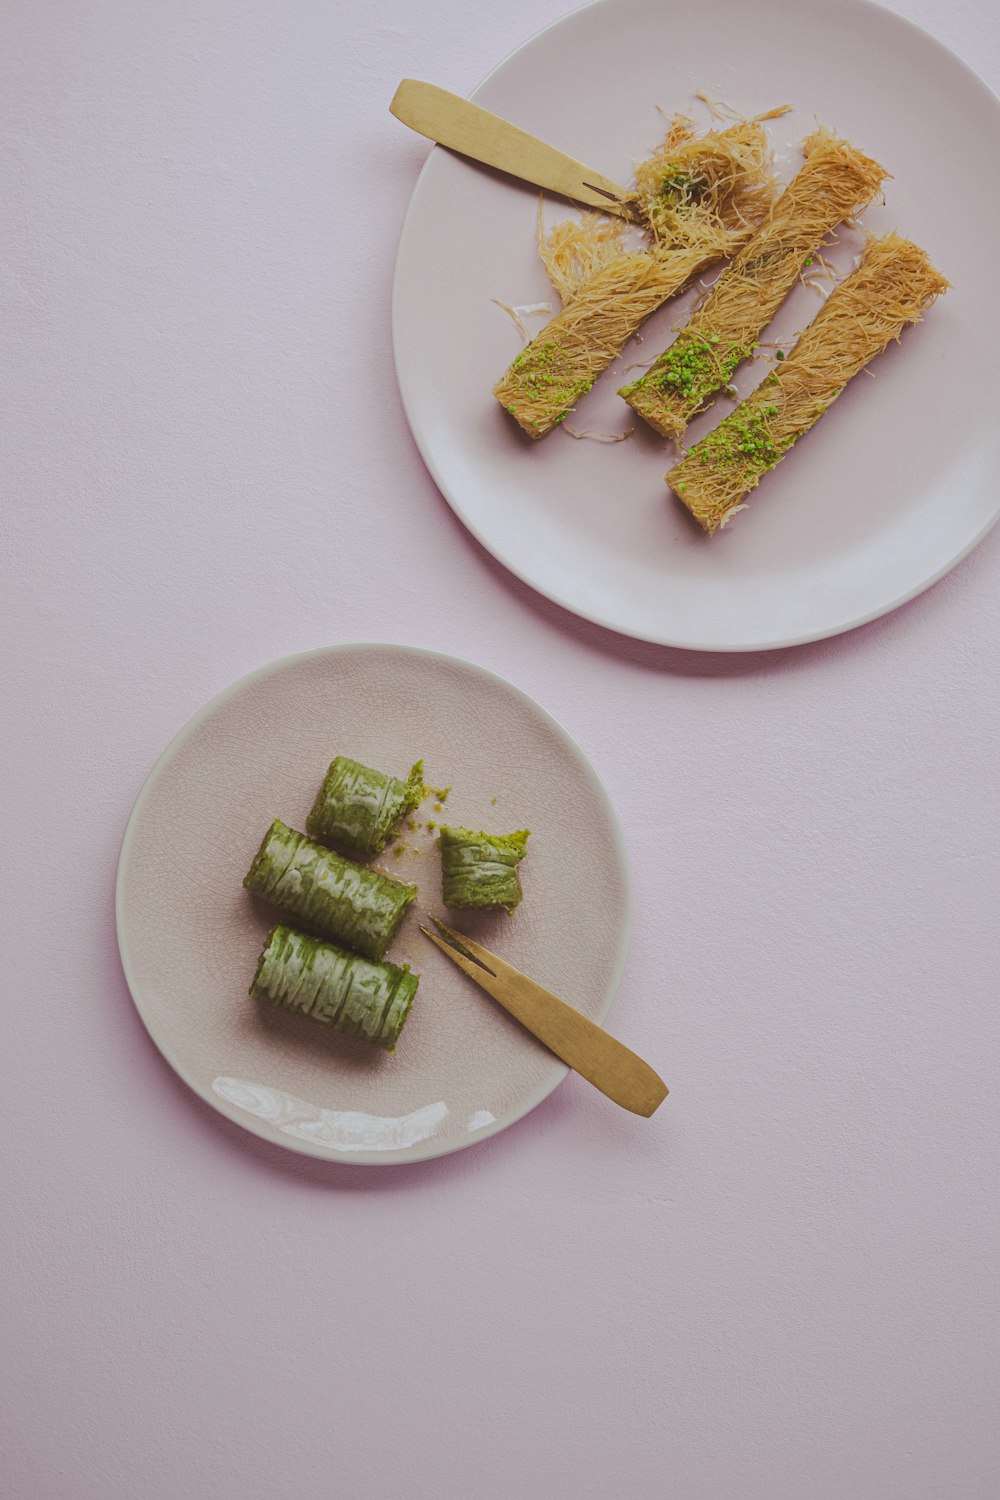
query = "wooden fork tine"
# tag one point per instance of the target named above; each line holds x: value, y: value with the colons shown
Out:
x: 467, y: 965
x: 596, y: 1055
x: 499, y: 979
x: 485, y: 957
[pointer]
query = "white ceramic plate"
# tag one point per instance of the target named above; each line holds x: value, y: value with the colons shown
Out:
x: 189, y: 934
x: 884, y: 496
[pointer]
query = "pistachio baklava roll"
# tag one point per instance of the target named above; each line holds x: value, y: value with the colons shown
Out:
x: 360, y: 809
x: 338, y: 899
x: 352, y: 994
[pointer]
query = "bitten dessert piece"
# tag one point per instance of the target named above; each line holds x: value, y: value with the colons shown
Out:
x: 480, y: 869
x: 360, y: 809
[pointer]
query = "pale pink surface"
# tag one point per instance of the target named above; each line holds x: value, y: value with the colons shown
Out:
x: 784, y: 1286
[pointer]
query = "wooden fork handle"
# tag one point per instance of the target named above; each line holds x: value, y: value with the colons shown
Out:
x: 463, y: 126
x: 588, y: 1049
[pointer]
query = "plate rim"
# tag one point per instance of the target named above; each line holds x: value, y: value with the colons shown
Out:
x: 659, y: 638
x: 424, y: 1150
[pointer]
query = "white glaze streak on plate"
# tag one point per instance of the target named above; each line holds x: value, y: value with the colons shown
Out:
x: 190, y: 935
x: 896, y: 484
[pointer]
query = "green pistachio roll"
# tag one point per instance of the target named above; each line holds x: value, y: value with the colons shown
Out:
x: 480, y: 869
x: 356, y: 906
x: 338, y: 989
x: 360, y: 809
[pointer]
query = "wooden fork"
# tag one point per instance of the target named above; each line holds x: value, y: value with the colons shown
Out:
x: 455, y: 122
x: 590, y: 1051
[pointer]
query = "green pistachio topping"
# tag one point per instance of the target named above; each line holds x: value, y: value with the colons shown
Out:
x: 695, y: 367
x: 536, y: 367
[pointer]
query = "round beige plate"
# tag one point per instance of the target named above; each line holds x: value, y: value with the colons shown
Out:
x: 896, y: 484
x: 189, y: 934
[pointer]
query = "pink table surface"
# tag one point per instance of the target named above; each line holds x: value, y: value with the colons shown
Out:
x: 782, y: 1288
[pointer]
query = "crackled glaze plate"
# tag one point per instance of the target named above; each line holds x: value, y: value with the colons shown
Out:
x: 189, y: 935
x: 888, y: 492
